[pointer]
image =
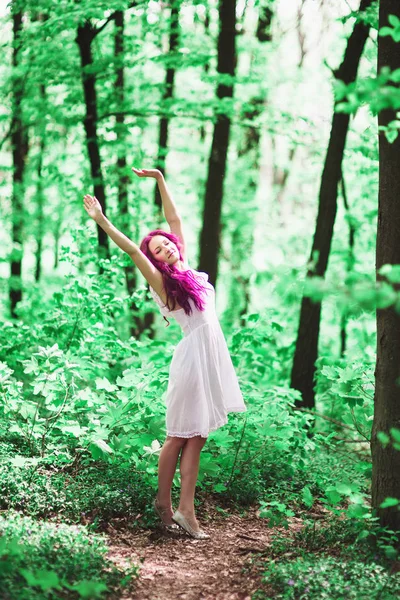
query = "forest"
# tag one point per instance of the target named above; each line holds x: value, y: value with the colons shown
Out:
x: 275, y: 124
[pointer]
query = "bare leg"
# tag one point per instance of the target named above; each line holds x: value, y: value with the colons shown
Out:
x: 189, y: 468
x: 167, y: 462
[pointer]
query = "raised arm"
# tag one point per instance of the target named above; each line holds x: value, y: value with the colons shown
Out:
x: 148, y: 270
x: 170, y: 210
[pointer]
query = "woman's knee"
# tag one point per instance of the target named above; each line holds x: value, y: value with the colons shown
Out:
x: 197, y: 441
x: 176, y: 442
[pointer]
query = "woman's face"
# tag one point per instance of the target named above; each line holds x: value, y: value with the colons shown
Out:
x: 163, y: 249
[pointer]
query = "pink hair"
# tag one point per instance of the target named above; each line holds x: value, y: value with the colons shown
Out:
x: 179, y: 285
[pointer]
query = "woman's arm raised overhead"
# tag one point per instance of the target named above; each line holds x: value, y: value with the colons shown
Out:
x: 170, y: 210
x: 148, y: 270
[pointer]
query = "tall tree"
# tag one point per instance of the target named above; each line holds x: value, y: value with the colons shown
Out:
x: 386, y: 459
x: 85, y: 36
x: 136, y: 325
x: 19, y: 142
x: 167, y: 95
x: 306, y: 351
x: 210, y: 234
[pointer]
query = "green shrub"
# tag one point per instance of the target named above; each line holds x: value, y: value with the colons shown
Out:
x: 40, y: 559
x: 98, y: 490
x: 327, y: 577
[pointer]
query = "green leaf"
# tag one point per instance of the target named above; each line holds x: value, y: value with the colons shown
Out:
x: 42, y: 578
x: 99, y: 448
x: 389, y: 502
x: 395, y: 75
x: 385, y: 31
x: 333, y: 496
x: 395, y: 433
x: 219, y: 487
x: 394, y: 21
x: 90, y: 589
x: 383, y: 438
x: 102, y: 383
x: 343, y: 488
x: 76, y: 430
x: 391, y: 136
x: 391, y: 272
x: 307, y: 497
x: 358, y: 511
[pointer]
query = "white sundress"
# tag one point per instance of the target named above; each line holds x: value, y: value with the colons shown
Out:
x: 202, y: 387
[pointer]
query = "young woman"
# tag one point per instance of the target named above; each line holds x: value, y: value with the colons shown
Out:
x: 202, y: 385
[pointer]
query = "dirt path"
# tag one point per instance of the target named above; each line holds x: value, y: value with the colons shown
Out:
x: 175, y: 566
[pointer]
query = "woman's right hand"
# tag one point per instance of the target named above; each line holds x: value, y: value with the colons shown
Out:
x: 93, y: 207
x: 148, y: 173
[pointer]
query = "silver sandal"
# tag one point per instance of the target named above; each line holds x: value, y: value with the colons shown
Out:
x: 182, y: 522
x: 160, y: 512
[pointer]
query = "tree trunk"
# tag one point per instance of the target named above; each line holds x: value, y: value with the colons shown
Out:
x: 248, y: 164
x: 39, y: 193
x: 85, y: 36
x: 167, y: 95
x: 39, y: 213
x: 306, y: 351
x: 135, y: 325
x: 19, y: 142
x: 386, y: 460
x: 210, y: 234
x: 349, y: 264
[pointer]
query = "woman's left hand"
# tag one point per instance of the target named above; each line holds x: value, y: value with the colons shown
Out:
x: 147, y: 173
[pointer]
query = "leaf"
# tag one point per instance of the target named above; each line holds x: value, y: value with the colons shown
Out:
x: 391, y: 272
x: 307, y: 497
x: 90, y: 589
x: 358, y: 511
x: 395, y: 75
x: 383, y: 438
x: 395, y: 433
x: 76, y: 430
x: 384, y: 31
x: 391, y: 136
x: 343, y: 488
x: 42, y: 578
x: 219, y: 487
x: 394, y: 21
x: 389, y: 502
x: 102, y: 383
x: 19, y: 461
x: 99, y: 448
x: 154, y: 448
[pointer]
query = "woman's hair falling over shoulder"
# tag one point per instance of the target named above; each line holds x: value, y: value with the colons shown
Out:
x: 179, y: 285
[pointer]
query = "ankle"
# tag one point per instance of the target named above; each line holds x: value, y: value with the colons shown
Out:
x: 163, y: 502
x: 188, y: 513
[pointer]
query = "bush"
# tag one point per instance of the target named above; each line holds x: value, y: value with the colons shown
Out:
x: 39, y: 559
x: 102, y: 490
x: 327, y: 577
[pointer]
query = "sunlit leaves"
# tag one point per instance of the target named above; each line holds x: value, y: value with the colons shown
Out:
x: 394, y: 30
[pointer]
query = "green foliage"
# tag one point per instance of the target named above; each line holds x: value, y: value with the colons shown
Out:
x: 314, y: 578
x: 96, y: 492
x: 47, y: 560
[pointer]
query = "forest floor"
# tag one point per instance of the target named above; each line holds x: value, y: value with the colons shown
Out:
x: 228, y: 566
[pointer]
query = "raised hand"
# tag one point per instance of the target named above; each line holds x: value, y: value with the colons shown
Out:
x: 92, y: 207
x: 147, y: 173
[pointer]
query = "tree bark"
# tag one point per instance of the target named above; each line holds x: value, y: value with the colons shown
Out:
x: 210, y: 233
x: 19, y: 143
x: 136, y: 325
x: 349, y: 264
x: 386, y: 460
x: 306, y: 351
x: 167, y: 96
x: 85, y: 36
